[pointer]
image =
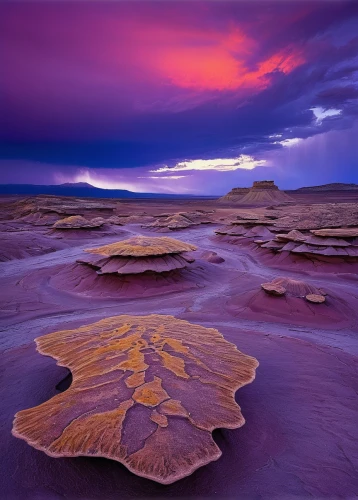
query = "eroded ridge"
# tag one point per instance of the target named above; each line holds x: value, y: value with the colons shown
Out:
x: 147, y: 391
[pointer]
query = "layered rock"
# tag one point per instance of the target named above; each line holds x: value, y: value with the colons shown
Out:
x: 294, y: 288
x: 315, y: 298
x: 78, y: 222
x: 172, y: 222
x: 138, y: 255
x: 261, y: 193
x: 309, y: 230
x: 264, y: 193
x: 273, y: 289
x: 142, y: 394
x: 177, y: 221
x: 315, y: 246
x: 236, y: 194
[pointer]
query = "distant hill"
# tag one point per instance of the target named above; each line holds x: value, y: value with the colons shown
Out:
x: 335, y: 186
x: 80, y: 189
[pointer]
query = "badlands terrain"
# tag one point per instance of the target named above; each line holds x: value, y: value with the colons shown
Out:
x: 275, y: 273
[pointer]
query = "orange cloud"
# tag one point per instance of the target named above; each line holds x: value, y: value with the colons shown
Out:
x: 217, y: 61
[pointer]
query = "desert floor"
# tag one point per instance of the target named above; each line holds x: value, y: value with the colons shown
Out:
x: 301, y: 433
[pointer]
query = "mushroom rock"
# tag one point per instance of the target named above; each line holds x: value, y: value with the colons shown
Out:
x: 264, y: 192
x: 296, y: 288
x: 173, y: 222
x: 142, y: 394
x: 78, y: 222
x: 140, y: 254
x: 315, y: 298
x: 179, y: 222
x: 273, y: 289
x: 143, y: 246
x: 135, y: 219
x: 236, y: 194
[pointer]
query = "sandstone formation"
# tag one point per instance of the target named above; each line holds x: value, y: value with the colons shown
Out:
x: 264, y: 192
x: 309, y: 231
x: 139, y: 255
x: 212, y: 257
x: 261, y: 193
x: 36, y: 208
x: 173, y: 222
x: 315, y: 298
x: 236, y: 194
x: 296, y: 288
x: 78, y: 222
x: 177, y: 221
x: 142, y: 394
x: 273, y: 289
x: 338, y: 233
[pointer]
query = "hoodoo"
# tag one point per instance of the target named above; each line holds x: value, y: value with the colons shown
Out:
x: 139, y: 255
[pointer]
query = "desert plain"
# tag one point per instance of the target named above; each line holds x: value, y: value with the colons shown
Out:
x: 300, y: 434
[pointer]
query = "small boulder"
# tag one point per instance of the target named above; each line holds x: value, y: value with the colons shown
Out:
x: 273, y: 289
x: 315, y: 298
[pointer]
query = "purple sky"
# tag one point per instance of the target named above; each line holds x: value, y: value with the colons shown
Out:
x: 185, y: 97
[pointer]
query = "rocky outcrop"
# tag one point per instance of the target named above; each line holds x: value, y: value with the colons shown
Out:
x: 236, y: 194
x: 311, y: 231
x: 142, y: 394
x: 78, y: 222
x: 273, y: 289
x: 261, y: 193
x: 265, y: 193
x: 177, y: 221
x: 139, y: 255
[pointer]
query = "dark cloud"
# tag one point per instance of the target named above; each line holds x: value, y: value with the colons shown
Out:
x: 81, y: 91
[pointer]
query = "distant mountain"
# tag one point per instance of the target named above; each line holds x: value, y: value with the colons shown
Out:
x: 76, y: 184
x: 79, y: 189
x: 334, y: 186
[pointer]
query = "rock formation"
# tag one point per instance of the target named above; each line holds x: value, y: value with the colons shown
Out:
x: 142, y: 394
x: 293, y: 288
x: 78, y: 222
x: 261, y: 193
x: 310, y: 231
x: 139, y: 255
x: 296, y: 288
x: 315, y: 298
x: 236, y: 194
x: 316, y: 246
x: 174, y: 222
x: 273, y: 289
x: 264, y: 193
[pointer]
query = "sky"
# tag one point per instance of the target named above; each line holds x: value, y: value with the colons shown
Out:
x: 179, y: 97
